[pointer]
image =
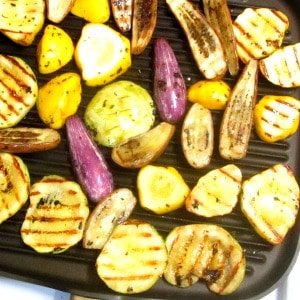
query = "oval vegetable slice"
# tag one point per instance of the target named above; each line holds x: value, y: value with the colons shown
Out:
x: 18, y: 88
x: 57, y: 10
x: 102, y: 54
x: 122, y: 13
x: 204, y: 251
x: 145, y: 148
x: 276, y: 117
x: 89, y: 164
x: 15, y: 185
x: 212, y: 94
x: 56, y: 216
x: 113, y: 210
x: 197, y: 136
x: 216, y: 193
x: 119, y: 111
x: 270, y: 201
x: 169, y: 85
x: 161, y: 189
x: 133, y: 259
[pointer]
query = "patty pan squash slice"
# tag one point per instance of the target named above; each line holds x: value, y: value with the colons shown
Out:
x: 102, y: 54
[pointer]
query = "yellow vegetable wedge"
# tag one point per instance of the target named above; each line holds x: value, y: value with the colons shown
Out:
x: 102, y: 54
x: 55, y: 49
x: 237, y: 119
x: 216, y: 193
x: 161, y: 189
x: 13, y: 23
x: 205, y: 44
x: 143, y: 24
x: 133, y: 259
x: 270, y: 201
x: 15, y: 185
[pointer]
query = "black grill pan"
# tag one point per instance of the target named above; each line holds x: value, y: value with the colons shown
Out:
x: 74, y: 270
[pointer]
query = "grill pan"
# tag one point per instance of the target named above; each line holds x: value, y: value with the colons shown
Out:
x: 74, y: 270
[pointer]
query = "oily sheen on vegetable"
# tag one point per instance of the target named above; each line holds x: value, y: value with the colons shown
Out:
x: 169, y: 84
x: 88, y: 162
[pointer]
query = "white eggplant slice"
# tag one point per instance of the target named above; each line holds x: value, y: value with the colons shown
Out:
x: 270, y: 201
x: 282, y: 67
x: 122, y: 13
x: 56, y: 216
x: 197, y: 136
x: 236, y: 124
x: 205, y: 44
x: 15, y: 185
x: 57, y: 10
x: 218, y: 14
x: 216, y: 193
x: 144, y: 148
x: 259, y: 32
x: 204, y: 251
x: 18, y: 88
x: 143, y: 24
x: 113, y: 210
x: 133, y: 259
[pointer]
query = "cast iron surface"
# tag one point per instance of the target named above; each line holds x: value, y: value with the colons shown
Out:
x: 74, y: 270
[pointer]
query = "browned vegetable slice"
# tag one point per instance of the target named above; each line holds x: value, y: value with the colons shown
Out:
x: 204, y: 42
x: 204, y: 251
x: 197, y: 136
x: 144, y: 148
x: 111, y: 211
x: 218, y: 14
x: 143, y: 24
x: 237, y: 120
x: 28, y: 139
x: 122, y: 13
x: 216, y: 193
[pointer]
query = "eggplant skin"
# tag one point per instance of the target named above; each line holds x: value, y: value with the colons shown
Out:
x: 88, y: 162
x: 169, y: 84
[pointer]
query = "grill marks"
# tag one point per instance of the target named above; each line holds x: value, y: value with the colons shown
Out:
x: 18, y: 90
x: 56, y: 215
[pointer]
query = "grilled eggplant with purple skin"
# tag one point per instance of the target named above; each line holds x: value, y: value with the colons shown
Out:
x: 169, y: 85
x: 204, y: 42
x: 237, y: 120
x: 88, y: 162
x: 143, y: 24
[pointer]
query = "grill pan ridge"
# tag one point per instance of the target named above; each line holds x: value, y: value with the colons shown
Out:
x: 74, y: 270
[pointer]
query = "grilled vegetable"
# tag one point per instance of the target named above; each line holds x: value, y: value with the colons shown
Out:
x: 197, y: 136
x: 18, y: 88
x: 143, y: 24
x: 169, y: 85
x: 15, y: 185
x: 216, y: 193
x: 119, y: 111
x: 218, y: 15
x: 122, y: 13
x: 93, y: 11
x: 56, y: 216
x: 276, y: 117
x: 113, y: 210
x: 133, y: 259
x: 144, y: 148
x: 259, y: 32
x: 237, y: 120
x: 102, y: 54
x: 88, y: 162
x: 161, y: 189
x: 282, y: 66
x: 59, y: 98
x: 270, y: 201
x: 22, y: 21
x: 57, y: 10
x: 28, y: 139
x: 55, y: 49
x: 204, y: 251
x: 212, y: 94
x: 204, y: 42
